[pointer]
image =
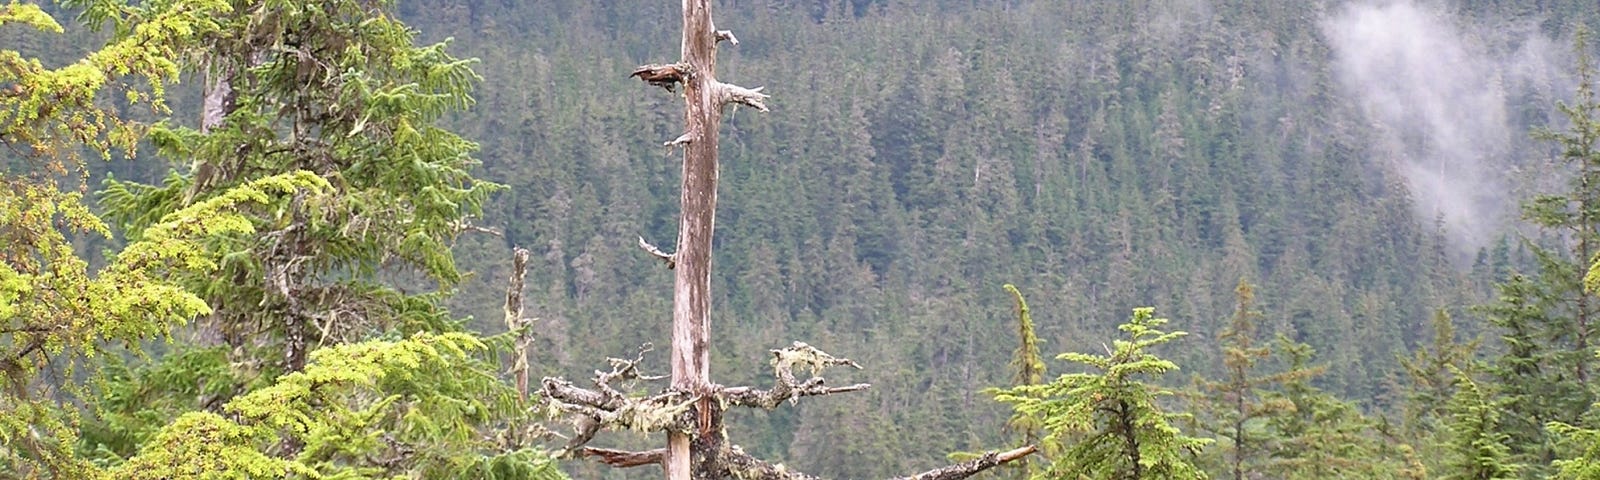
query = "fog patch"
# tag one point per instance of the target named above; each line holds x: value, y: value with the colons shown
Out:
x: 1436, y: 93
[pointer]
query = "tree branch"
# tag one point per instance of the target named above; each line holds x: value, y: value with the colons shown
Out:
x: 608, y: 407
x: 746, y: 467
x: 972, y: 467
x: 664, y: 76
x: 787, y: 387
x: 750, y: 97
x: 727, y: 35
x: 670, y: 259
x: 625, y: 459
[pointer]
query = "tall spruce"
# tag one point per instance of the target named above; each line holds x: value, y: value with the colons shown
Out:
x: 58, y: 314
x: 1546, y: 320
x: 338, y: 89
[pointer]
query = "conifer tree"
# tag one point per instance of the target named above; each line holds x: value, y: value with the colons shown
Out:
x: 1029, y: 369
x: 1323, y: 436
x: 1430, y: 370
x: 57, y: 314
x: 1547, y: 320
x: 1476, y: 446
x: 1238, y: 403
x: 340, y: 90
x: 1108, y: 422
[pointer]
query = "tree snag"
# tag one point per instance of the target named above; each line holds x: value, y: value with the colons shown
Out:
x: 690, y: 410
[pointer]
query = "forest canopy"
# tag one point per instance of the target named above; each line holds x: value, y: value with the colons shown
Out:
x: 273, y: 238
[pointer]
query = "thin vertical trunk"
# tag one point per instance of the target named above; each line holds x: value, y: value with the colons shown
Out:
x: 691, y: 312
x: 1585, y: 202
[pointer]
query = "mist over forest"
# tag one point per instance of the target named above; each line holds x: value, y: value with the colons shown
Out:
x: 1373, y: 220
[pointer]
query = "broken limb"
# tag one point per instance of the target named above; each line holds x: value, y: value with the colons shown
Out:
x: 669, y: 258
x: 788, y: 387
x: 664, y: 76
x: 750, y: 97
x: 624, y: 458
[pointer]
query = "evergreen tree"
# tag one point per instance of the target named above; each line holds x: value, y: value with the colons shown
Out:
x: 1547, y: 320
x: 1326, y: 437
x: 423, y: 407
x: 57, y: 314
x: 340, y: 90
x: 1107, y: 423
x: 1028, y: 369
x: 1237, y: 405
x: 1477, y: 448
x: 1430, y: 371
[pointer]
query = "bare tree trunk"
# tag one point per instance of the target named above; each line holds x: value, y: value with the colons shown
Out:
x: 691, y: 310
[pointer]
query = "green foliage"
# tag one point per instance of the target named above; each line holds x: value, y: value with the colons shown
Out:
x: 59, y: 316
x: 1582, y: 451
x: 1431, y: 370
x: 340, y: 90
x: 1476, y: 445
x: 1323, y: 436
x: 328, y: 171
x: 1237, y: 406
x: 1108, y: 423
x: 423, y: 407
x: 1547, y: 321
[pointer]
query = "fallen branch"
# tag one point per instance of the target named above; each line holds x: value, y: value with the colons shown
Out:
x: 624, y: 458
x: 670, y: 259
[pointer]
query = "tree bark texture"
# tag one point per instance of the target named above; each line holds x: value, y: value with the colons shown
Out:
x: 691, y: 311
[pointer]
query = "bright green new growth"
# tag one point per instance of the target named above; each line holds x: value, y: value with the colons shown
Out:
x: 1477, y: 448
x: 414, y: 408
x: 338, y: 89
x: 1581, y: 459
x: 1107, y: 424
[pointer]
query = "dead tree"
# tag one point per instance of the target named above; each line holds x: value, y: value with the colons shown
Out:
x: 690, y: 410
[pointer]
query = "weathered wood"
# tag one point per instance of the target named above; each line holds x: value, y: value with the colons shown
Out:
x: 516, y: 323
x: 691, y: 311
x: 626, y: 459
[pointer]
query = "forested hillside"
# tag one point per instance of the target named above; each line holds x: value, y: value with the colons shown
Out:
x: 1339, y: 202
x: 1099, y: 155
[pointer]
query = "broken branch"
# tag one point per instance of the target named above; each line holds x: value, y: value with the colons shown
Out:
x: 788, y: 387
x: 750, y: 97
x: 670, y: 259
x: 515, y: 322
x: 624, y: 458
x: 972, y: 467
x: 684, y: 139
x: 727, y: 35
x: 664, y: 76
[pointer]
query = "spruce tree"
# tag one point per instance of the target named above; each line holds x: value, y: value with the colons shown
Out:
x: 1237, y: 405
x: 1108, y: 423
x: 340, y: 90
x: 1476, y: 446
x: 1547, y: 320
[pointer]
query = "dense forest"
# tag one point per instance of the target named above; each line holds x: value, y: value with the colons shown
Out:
x: 1267, y: 238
